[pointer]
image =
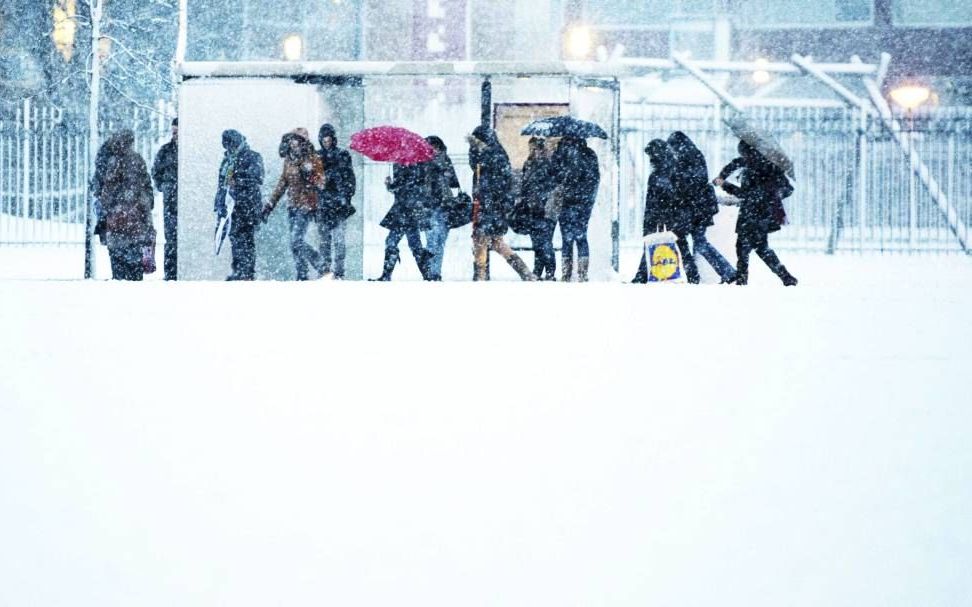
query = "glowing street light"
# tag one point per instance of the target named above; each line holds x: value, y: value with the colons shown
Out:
x: 580, y: 41
x: 761, y: 75
x: 910, y: 96
x: 293, y: 47
x: 65, y: 27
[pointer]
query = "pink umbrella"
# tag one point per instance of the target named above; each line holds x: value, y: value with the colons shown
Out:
x: 392, y: 144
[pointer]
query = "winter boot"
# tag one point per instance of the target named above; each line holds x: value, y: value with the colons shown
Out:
x: 583, y: 265
x: 642, y: 276
x: 568, y: 269
x: 789, y: 280
x: 521, y: 268
x: 423, y: 257
x: 391, y: 258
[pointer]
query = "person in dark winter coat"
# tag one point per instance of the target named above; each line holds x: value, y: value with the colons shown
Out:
x: 493, y: 201
x: 165, y: 173
x: 692, y: 187
x: 762, y: 188
x: 407, y: 216
x: 301, y: 179
x: 124, y: 189
x: 335, y: 201
x: 535, y: 190
x: 664, y: 209
x: 241, y: 176
x: 578, y: 176
x: 442, y: 180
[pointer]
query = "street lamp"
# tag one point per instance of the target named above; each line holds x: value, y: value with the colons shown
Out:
x: 65, y: 27
x: 293, y: 47
x: 910, y: 96
x: 761, y: 75
x: 579, y: 41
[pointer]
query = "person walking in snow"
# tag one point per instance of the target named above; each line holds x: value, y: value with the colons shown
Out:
x: 335, y: 201
x: 124, y: 189
x: 664, y: 209
x: 578, y: 176
x: 165, y: 173
x: 535, y: 190
x: 407, y: 216
x: 763, y: 186
x: 690, y: 179
x: 442, y: 180
x: 493, y: 190
x: 301, y: 179
x: 241, y: 176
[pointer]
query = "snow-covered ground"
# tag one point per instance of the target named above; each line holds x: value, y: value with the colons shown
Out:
x: 491, y: 444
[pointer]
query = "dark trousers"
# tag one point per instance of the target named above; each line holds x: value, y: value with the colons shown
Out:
x: 544, y: 258
x: 304, y: 254
x: 760, y: 244
x: 126, y: 263
x: 414, y: 239
x: 688, y: 262
x: 243, y: 242
x: 171, y: 226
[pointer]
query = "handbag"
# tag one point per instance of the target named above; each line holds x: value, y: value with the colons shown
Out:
x: 521, y: 219
x: 664, y: 258
x: 459, y: 211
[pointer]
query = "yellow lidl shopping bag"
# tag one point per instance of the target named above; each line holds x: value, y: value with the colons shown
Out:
x: 664, y: 258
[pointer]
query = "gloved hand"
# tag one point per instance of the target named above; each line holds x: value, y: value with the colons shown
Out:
x: 265, y: 214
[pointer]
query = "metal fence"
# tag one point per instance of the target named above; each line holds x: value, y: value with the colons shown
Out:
x: 855, y: 188
x: 44, y: 172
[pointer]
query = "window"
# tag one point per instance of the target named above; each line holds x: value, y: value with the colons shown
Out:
x: 771, y: 14
x: 956, y: 13
x: 646, y: 13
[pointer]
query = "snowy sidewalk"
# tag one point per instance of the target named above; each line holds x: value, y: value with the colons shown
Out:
x: 491, y: 444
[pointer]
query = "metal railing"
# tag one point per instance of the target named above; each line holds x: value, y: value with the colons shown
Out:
x: 44, y: 172
x: 855, y: 189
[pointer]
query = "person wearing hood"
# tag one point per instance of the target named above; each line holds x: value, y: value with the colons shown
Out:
x: 241, y: 176
x: 442, y: 180
x: 335, y: 201
x: 123, y: 186
x: 691, y: 181
x: 407, y: 216
x: 664, y: 209
x: 762, y: 188
x: 535, y: 191
x: 165, y: 174
x: 301, y: 179
x: 493, y: 191
x: 578, y: 177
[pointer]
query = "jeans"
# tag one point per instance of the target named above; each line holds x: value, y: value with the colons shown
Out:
x: 701, y: 246
x: 333, y: 247
x: 126, y: 263
x: 543, y: 249
x: 303, y: 253
x: 573, y: 230
x: 435, y: 242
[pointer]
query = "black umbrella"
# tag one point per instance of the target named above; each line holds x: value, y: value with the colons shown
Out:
x: 564, y: 126
x: 764, y: 143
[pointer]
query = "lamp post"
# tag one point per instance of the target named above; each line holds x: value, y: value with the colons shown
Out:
x: 910, y: 97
